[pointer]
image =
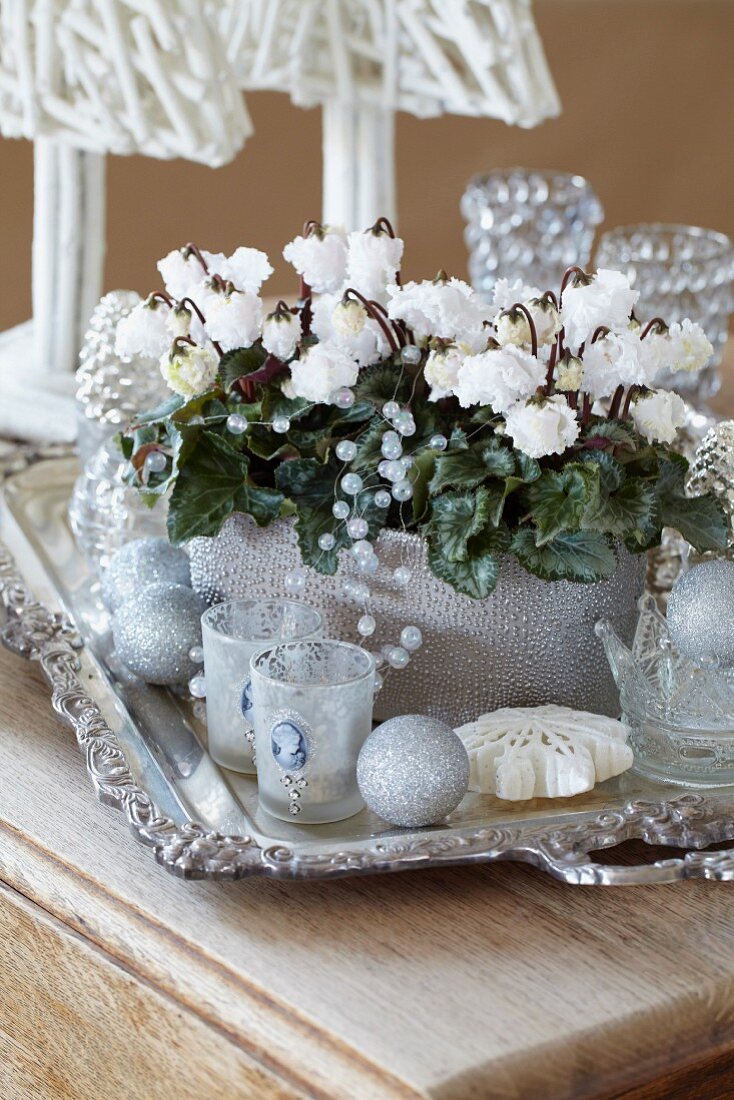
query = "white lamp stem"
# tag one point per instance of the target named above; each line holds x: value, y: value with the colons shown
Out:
x: 359, y: 164
x: 68, y: 251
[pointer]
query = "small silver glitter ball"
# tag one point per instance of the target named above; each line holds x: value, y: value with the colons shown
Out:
x: 155, y: 630
x: 413, y: 770
x: 140, y: 563
x: 701, y: 612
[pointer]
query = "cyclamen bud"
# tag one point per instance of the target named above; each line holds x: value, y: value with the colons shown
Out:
x: 349, y: 317
x: 569, y: 374
x: 513, y: 328
x: 281, y: 333
x: 178, y: 321
x: 189, y: 370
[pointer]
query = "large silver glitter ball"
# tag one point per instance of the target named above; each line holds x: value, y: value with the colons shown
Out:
x: 712, y: 469
x: 140, y: 563
x: 701, y: 612
x: 413, y: 770
x: 154, y: 631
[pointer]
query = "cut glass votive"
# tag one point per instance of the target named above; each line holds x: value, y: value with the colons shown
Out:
x: 680, y: 271
x: 231, y: 633
x: 313, y: 712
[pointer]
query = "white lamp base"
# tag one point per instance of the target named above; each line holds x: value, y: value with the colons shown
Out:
x: 35, y: 406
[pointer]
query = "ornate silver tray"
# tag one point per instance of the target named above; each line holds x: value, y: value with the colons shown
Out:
x: 146, y: 755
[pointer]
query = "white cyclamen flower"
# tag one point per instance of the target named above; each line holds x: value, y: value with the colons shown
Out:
x: 366, y: 346
x: 506, y: 294
x: 690, y: 348
x: 320, y: 259
x: 613, y: 360
x: 182, y: 269
x: 607, y: 300
x: 498, y: 377
x: 540, y: 428
x: 281, y: 333
x: 349, y: 317
x: 234, y: 319
x: 373, y: 261
x: 320, y: 371
x: 442, y: 370
x: 658, y: 415
x: 144, y: 331
x: 189, y: 370
x: 247, y: 269
x: 445, y: 309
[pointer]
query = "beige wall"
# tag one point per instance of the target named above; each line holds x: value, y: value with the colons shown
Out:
x: 647, y: 89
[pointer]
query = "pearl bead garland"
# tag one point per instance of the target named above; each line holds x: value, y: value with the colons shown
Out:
x: 393, y: 468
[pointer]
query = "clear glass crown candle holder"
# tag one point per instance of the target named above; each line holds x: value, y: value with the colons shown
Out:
x: 680, y: 271
x: 313, y: 712
x: 231, y: 633
x: 528, y: 224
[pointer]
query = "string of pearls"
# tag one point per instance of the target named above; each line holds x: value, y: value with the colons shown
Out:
x: 391, y: 483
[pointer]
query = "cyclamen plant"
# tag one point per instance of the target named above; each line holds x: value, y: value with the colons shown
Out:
x: 530, y: 425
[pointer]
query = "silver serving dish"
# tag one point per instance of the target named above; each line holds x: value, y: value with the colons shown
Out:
x: 147, y: 757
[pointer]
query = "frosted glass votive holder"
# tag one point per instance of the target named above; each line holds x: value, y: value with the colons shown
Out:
x: 313, y: 712
x: 231, y: 633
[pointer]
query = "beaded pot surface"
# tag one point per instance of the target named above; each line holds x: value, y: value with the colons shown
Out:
x: 531, y: 642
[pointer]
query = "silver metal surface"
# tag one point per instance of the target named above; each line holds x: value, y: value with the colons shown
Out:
x: 531, y: 642
x: 146, y: 757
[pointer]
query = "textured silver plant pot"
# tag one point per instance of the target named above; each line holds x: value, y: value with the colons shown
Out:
x: 530, y: 642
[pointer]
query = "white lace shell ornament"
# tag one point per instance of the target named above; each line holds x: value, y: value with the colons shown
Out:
x: 518, y: 753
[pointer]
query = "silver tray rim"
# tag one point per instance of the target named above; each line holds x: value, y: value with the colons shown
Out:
x: 693, y: 820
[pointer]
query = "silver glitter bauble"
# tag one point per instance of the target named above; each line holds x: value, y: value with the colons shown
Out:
x: 701, y: 612
x: 105, y: 513
x: 140, y: 563
x: 712, y: 469
x: 155, y: 630
x: 413, y: 770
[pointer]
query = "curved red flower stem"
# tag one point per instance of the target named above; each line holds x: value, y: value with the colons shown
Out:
x: 183, y: 340
x: 192, y: 248
x: 310, y: 226
x: 656, y: 322
x: 602, y: 330
x: 162, y: 296
x: 375, y: 315
x: 575, y: 270
x: 551, y: 366
x: 202, y: 318
x: 615, y: 403
x: 386, y: 224
x: 531, y: 323
x: 586, y: 412
x: 633, y: 391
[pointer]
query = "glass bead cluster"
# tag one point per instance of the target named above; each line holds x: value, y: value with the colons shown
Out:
x: 394, y: 485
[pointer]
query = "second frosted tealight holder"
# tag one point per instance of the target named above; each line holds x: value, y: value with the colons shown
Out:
x: 231, y: 633
x: 313, y: 712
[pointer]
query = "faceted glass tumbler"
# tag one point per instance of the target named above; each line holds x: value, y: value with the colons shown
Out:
x: 528, y: 224
x: 313, y: 712
x: 680, y: 271
x: 231, y: 633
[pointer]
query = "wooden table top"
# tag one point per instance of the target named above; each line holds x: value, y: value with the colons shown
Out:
x: 457, y: 984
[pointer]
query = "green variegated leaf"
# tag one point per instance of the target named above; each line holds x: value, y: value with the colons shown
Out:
x: 455, y: 518
x: 465, y: 469
x: 477, y: 575
x: 624, y: 514
x: 583, y: 556
x: 307, y: 482
x: 240, y: 361
x: 700, y: 520
x: 558, y: 499
x: 212, y: 485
